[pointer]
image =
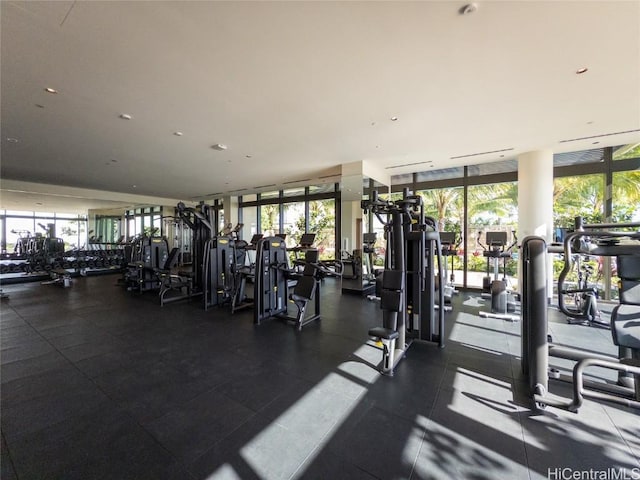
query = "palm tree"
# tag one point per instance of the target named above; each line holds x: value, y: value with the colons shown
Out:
x: 578, y: 196
x: 439, y: 202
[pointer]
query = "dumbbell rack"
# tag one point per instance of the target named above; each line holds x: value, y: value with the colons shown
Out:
x: 76, y: 262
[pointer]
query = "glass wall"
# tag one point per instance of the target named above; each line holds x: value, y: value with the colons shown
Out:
x: 270, y: 219
x: 322, y: 222
x: 492, y: 214
x: 144, y: 221
x: 626, y: 152
x: 625, y: 205
x: 250, y: 222
x: 17, y: 226
x: 293, y: 222
x: 491, y: 200
x: 108, y: 228
x: 578, y: 196
x: 71, y: 231
x: 446, y: 206
x: 293, y: 212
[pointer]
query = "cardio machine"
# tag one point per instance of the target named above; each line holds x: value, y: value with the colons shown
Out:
x: 368, y: 250
x: 503, y: 303
x: 585, y: 297
x: 450, y: 242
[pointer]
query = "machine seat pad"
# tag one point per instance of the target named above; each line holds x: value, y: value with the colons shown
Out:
x: 304, y: 289
x: 386, y: 333
x: 625, y: 326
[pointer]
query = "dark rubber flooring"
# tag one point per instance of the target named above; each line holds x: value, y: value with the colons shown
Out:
x: 101, y: 384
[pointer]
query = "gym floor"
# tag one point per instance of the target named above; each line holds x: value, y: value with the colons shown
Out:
x: 99, y: 383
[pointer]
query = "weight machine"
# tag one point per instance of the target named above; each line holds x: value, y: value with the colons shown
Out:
x: 408, y: 293
x: 625, y: 327
x: 272, y: 281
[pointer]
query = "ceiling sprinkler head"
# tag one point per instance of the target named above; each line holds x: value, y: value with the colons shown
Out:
x: 469, y: 8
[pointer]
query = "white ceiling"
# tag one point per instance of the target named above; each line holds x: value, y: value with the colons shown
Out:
x: 304, y: 87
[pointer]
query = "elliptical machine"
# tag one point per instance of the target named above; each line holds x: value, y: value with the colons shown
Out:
x: 368, y: 250
x: 503, y: 302
x: 450, y: 242
x: 585, y: 297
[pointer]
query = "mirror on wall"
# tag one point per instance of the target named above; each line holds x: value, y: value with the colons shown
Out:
x: 362, y: 248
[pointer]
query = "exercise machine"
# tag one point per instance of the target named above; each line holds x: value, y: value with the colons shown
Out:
x: 577, y: 247
x: 273, y: 279
x: 585, y: 296
x: 408, y: 293
x: 270, y: 287
x: 174, y: 286
x: 305, y: 245
x: 503, y: 302
x: 149, y: 254
x: 368, y: 251
x: 625, y: 328
x: 450, y: 241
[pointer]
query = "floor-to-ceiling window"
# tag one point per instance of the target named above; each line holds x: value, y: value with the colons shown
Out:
x: 270, y: 219
x: 107, y: 228
x: 322, y: 222
x: 492, y: 214
x: 294, y: 211
x: 446, y: 207
x: 490, y: 191
x: 19, y: 228
x: 249, y: 217
x: 625, y: 200
x: 144, y: 221
x: 293, y: 216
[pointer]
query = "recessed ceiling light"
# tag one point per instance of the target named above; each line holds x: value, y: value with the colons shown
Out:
x: 393, y: 119
x: 12, y: 140
x: 134, y: 186
x: 582, y: 70
x: 590, y: 122
x: 595, y: 143
x: 38, y: 105
x: 248, y: 156
x: 125, y: 116
x: 38, y: 203
x: 50, y: 90
x: 219, y: 146
x: 113, y: 160
x: 178, y: 134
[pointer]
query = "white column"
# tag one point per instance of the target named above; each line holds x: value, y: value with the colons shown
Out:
x: 535, y: 198
x: 230, y: 209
